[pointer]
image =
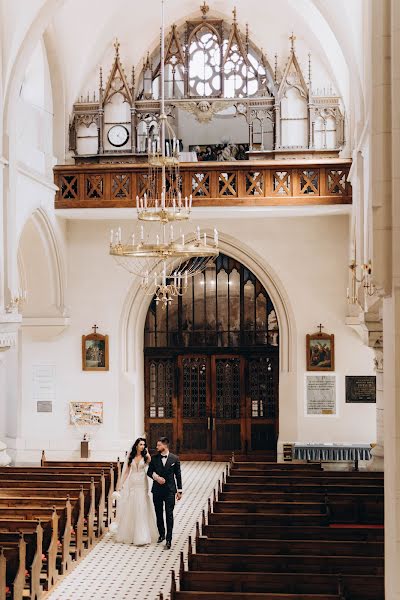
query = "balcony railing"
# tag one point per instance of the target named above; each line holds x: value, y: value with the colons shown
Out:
x: 249, y: 183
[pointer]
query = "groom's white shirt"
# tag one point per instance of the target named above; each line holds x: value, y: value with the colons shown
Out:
x: 164, y: 458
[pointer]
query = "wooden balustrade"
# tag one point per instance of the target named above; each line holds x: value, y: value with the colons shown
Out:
x: 244, y: 183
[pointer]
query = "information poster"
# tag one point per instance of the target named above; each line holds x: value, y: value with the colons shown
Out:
x: 320, y: 395
x: 44, y: 387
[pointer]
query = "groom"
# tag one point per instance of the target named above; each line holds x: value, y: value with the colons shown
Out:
x: 165, y: 470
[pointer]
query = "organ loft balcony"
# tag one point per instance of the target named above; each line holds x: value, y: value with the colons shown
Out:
x: 256, y: 183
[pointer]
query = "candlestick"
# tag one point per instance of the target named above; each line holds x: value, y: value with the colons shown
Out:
x: 111, y: 236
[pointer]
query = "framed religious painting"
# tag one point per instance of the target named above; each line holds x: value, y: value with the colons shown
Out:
x: 95, y: 351
x: 320, y: 348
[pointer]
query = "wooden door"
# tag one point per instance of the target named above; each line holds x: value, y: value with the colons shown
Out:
x: 194, y: 407
x: 262, y: 380
x: 228, y: 405
x: 160, y: 400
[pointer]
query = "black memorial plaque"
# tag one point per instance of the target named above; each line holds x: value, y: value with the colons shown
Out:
x: 361, y: 389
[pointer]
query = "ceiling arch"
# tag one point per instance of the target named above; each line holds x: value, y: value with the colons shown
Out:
x: 82, y: 37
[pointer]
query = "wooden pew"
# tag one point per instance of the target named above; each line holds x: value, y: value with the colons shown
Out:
x: 49, y: 544
x: 12, y: 568
x: 113, y: 468
x: 281, y: 546
x: 258, y: 531
x: 271, y: 533
x: 364, y: 587
x: 70, y: 474
x: 94, y: 490
x: 33, y: 556
x: 29, y: 507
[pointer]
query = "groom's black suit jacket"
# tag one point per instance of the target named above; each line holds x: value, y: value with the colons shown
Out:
x: 171, y: 473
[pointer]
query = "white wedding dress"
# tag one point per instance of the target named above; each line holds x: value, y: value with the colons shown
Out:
x: 135, y: 521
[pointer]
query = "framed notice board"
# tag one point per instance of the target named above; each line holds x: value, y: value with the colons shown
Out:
x: 360, y: 389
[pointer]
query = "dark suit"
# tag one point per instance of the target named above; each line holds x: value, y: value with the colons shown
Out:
x: 165, y: 494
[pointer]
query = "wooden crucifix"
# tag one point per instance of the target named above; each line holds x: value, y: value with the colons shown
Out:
x: 95, y: 328
x: 320, y: 327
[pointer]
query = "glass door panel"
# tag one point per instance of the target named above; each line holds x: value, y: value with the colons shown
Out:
x: 194, y: 416
x: 160, y: 400
x: 228, y: 423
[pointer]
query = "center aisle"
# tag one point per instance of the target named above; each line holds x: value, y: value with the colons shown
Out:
x: 114, y: 571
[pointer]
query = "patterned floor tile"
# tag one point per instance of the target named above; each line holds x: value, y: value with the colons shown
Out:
x: 114, y: 571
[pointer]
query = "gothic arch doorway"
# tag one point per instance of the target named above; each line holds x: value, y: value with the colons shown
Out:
x: 212, y: 367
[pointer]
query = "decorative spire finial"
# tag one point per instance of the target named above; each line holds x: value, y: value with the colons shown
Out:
x: 234, y: 14
x: 309, y: 71
x: 116, y: 46
x: 247, y: 37
x: 101, y: 78
x: 276, y: 69
x: 204, y: 9
x: 292, y: 39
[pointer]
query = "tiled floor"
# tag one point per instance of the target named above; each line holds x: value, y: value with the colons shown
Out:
x: 114, y: 571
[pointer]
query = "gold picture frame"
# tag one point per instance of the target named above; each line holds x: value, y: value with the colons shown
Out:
x: 320, y: 348
x: 95, y: 352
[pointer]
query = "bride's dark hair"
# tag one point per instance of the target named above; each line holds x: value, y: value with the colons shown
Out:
x: 134, y: 450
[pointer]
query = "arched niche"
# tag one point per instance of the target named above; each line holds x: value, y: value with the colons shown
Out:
x: 42, y: 276
x: 131, y: 356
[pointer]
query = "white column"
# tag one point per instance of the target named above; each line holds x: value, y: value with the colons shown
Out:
x: 377, y: 462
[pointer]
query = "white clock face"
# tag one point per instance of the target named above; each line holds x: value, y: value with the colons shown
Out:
x: 118, y: 135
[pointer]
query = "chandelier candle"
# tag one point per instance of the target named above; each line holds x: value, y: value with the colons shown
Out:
x: 163, y: 263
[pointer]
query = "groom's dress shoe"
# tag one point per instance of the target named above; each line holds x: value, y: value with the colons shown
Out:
x: 161, y: 539
x: 168, y: 545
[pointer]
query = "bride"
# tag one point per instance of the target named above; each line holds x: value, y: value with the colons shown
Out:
x: 135, y: 521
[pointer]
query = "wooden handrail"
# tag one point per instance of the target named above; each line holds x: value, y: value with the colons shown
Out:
x: 240, y: 183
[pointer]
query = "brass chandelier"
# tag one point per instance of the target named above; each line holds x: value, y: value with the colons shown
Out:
x: 160, y: 255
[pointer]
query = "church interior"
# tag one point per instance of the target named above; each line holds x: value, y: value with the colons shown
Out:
x: 198, y: 244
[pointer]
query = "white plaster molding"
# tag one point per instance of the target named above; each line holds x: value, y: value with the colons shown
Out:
x: 36, y: 176
x: 9, y: 325
x: 5, y: 459
x: 44, y: 328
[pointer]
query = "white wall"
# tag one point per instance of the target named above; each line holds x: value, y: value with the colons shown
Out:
x: 307, y: 254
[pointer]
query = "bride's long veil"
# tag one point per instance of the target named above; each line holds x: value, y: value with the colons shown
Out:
x: 124, y: 468
x: 119, y: 494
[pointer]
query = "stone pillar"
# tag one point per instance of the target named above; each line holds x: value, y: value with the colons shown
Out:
x: 377, y: 462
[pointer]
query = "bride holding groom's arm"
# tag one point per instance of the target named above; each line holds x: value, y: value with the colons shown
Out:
x: 135, y: 522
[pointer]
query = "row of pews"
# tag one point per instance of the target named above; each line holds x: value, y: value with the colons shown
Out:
x: 50, y: 516
x: 287, y: 532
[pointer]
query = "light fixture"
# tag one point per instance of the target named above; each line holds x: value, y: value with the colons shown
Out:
x: 366, y: 280
x: 163, y: 258
x: 165, y: 263
x: 16, y: 301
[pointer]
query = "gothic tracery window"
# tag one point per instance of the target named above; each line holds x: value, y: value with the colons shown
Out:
x: 224, y: 307
x: 205, y: 63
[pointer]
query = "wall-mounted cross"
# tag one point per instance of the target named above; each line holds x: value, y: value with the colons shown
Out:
x: 95, y: 328
x: 320, y: 327
x: 292, y: 40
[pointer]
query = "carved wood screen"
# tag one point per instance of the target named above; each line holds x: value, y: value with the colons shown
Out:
x: 212, y: 366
